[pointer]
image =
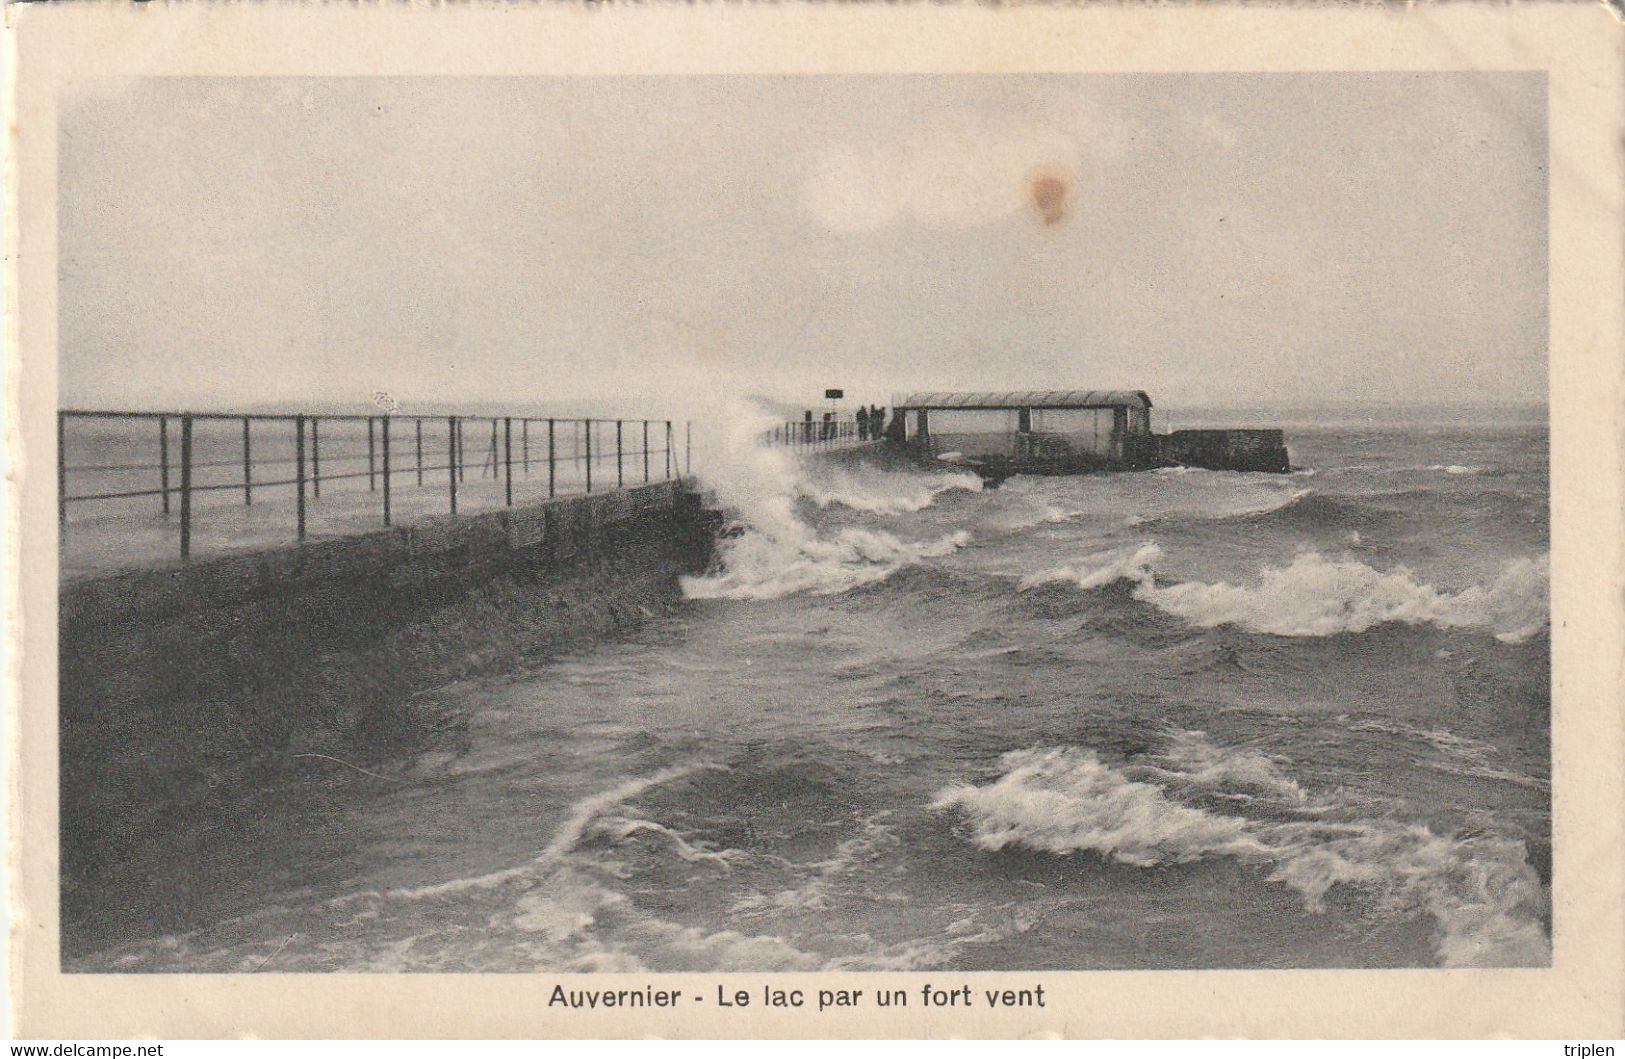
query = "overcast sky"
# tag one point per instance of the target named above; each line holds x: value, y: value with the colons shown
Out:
x: 1209, y: 238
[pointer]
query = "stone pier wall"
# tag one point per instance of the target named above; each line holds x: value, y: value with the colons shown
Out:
x: 187, y: 695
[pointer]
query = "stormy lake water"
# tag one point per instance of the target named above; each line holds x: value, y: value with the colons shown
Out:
x: 1170, y: 719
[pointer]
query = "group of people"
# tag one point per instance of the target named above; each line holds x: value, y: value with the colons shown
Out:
x: 871, y: 425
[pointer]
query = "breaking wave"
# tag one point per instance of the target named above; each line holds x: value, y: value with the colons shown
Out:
x: 771, y: 551
x: 1098, y: 571
x: 875, y: 838
x: 881, y: 492
x: 760, y: 565
x: 582, y: 814
x: 582, y: 920
x: 1317, y: 596
x: 1012, y: 512
x: 1483, y: 896
x: 1190, y: 760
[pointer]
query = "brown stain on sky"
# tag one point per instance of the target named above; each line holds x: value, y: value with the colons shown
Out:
x: 1051, y: 193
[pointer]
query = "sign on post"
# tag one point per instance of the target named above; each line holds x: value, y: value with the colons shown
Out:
x: 834, y: 395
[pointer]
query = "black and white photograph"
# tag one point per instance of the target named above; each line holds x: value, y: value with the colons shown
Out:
x: 954, y: 522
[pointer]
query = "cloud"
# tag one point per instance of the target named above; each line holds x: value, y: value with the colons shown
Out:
x: 956, y: 171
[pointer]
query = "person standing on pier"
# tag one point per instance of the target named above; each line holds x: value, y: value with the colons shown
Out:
x: 863, y: 423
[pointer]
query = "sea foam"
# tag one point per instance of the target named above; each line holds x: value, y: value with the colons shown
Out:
x: 1317, y: 596
x: 1481, y: 893
x: 773, y: 552
x: 762, y: 565
x: 879, y: 492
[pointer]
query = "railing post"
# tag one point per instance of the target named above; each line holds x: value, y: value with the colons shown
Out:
x: 550, y: 462
x: 524, y: 442
x: 688, y: 446
x: 645, y: 452
x: 620, y: 473
x: 462, y: 466
x: 61, y: 472
x: 186, y: 488
x: 507, y: 459
x: 451, y: 459
x: 588, y: 424
x: 668, y: 448
x: 315, y: 455
x: 248, y: 463
x: 418, y: 425
x: 163, y: 460
x: 386, y: 470
x: 493, y: 457
x: 299, y: 465
x: 372, y: 473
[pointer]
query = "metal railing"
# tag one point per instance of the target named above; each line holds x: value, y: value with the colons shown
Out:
x: 168, y: 465
x: 819, y: 434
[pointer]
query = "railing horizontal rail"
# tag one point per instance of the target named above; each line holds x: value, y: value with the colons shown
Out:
x: 352, y: 417
x: 114, y: 496
x: 817, y: 434
x: 327, y: 457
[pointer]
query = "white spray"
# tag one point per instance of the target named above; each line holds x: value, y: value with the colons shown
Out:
x: 774, y: 552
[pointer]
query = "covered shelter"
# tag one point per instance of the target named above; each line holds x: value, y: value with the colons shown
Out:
x: 1031, y: 430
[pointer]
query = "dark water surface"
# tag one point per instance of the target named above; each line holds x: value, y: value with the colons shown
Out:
x: 1174, y: 719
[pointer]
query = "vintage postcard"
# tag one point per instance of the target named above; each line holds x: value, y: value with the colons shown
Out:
x: 818, y: 522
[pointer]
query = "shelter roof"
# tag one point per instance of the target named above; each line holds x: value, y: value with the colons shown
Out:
x: 1026, y: 399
